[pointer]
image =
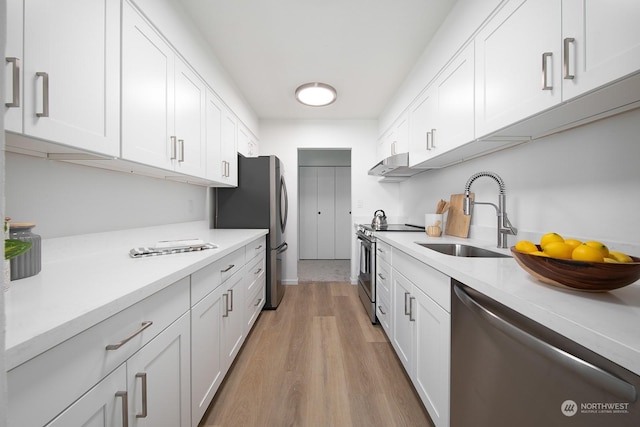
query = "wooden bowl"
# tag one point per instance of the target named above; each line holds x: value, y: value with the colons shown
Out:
x: 579, y: 275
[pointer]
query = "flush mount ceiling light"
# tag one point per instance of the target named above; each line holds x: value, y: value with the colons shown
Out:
x: 316, y: 94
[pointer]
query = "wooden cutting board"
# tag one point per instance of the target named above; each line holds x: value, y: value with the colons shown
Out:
x: 457, y: 222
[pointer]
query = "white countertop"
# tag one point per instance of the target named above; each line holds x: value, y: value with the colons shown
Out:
x: 607, y: 323
x: 87, y: 278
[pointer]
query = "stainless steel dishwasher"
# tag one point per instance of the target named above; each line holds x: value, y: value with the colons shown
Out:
x: 507, y: 370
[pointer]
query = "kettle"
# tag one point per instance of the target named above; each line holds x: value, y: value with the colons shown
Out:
x: 379, y: 220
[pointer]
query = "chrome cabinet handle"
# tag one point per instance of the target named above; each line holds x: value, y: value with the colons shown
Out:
x: 411, y: 318
x: 592, y: 373
x: 258, y: 247
x: 119, y: 344
x: 428, y: 141
x: 224, y: 168
x: 231, y: 299
x: 406, y: 310
x: 226, y: 305
x: 15, y: 98
x: 174, y: 148
x: 181, y: 150
x: 125, y: 407
x: 228, y: 268
x: 258, y: 303
x: 565, y: 59
x: 381, y: 310
x: 380, y: 250
x: 545, y: 77
x: 255, y: 273
x: 45, y: 94
x: 433, y: 138
x: 143, y: 377
x: 381, y: 276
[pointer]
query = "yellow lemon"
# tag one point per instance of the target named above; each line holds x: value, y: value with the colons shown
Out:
x: 558, y: 250
x: 599, y: 246
x: 585, y: 252
x: 526, y: 246
x: 573, y: 242
x: 550, y: 238
x: 611, y: 260
x: 619, y: 256
x: 539, y: 253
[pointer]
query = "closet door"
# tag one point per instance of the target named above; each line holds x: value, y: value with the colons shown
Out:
x: 326, y: 212
x: 343, y: 227
x: 308, y: 201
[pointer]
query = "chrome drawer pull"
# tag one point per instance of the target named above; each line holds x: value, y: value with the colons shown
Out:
x: 45, y: 94
x: 381, y: 310
x: 15, y: 98
x: 545, y: 82
x: 406, y: 310
x: 381, y: 276
x: 565, y: 63
x: 226, y: 305
x: 228, y: 268
x: 125, y: 407
x: 255, y: 273
x: 231, y: 298
x: 411, y: 318
x: 143, y: 377
x: 117, y: 345
x: 258, y: 303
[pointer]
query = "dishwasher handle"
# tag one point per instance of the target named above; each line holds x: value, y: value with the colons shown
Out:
x: 592, y: 373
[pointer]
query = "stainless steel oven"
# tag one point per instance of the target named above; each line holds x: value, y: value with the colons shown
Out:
x: 367, y: 271
x: 367, y: 262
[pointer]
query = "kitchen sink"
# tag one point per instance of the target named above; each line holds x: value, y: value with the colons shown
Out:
x: 460, y: 250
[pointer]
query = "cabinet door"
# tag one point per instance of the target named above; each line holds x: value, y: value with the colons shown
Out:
x: 308, y: 177
x: 601, y: 43
x: 423, y: 116
x: 400, y: 143
x: 229, y: 148
x: 102, y: 406
x: 215, y: 167
x: 432, y: 351
x: 147, y: 93
x: 72, y: 73
x: 402, y: 325
x: 206, y: 352
x: 14, y: 60
x: 232, y: 329
x: 518, y: 64
x: 343, y: 226
x: 190, y: 118
x: 164, y: 365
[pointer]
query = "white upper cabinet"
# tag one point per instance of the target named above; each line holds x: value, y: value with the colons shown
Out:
x: 14, y: 59
x: 247, y: 143
x: 518, y: 64
x: 601, y: 43
x: 71, y: 71
x: 442, y: 118
x: 222, y: 160
x: 396, y: 139
x: 163, y: 102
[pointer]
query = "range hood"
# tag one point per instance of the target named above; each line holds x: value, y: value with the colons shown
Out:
x: 394, y: 168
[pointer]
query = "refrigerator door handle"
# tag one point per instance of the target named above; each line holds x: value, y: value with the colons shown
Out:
x: 282, y: 248
x: 284, y: 214
x: 583, y: 368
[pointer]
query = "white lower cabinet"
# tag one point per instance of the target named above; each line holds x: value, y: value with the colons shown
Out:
x: 158, y: 379
x: 421, y: 325
x: 104, y: 405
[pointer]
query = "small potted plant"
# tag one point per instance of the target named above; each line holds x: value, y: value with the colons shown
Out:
x: 12, y: 248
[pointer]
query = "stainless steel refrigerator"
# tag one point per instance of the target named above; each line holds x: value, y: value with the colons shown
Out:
x: 259, y: 201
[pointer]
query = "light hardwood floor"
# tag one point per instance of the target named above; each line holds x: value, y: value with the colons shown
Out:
x: 317, y: 361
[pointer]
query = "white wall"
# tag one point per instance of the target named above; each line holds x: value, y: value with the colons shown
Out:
x: 283, y: 138
x: 583, y: 183
x: 65, y: 199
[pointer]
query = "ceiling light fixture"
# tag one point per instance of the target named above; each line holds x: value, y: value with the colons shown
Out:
x: 316, y: 94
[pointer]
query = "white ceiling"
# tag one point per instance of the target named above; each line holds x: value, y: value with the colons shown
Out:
x: 364, y: 48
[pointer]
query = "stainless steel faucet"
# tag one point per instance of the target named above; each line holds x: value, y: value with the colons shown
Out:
x: 504, y: 226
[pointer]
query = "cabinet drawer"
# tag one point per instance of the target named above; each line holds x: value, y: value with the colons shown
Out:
x: 255, y: 248
x: 383, y: 312
x: 429, y: 280
x: 210, y: 277
x: 59, y: 376
x: 255, y: 268
x: 255, y: 302
x: 383, y: 279
x: 383, y: 251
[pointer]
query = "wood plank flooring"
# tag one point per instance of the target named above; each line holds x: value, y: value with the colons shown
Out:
x: 317, y: 361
